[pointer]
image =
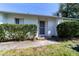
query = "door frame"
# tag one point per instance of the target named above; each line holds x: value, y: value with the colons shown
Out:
x: 42, y: 28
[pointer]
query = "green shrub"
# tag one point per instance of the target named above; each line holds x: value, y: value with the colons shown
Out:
x: 17, y: 32
x: 68, y: 29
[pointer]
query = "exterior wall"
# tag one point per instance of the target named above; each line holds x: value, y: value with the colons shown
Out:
x: 59, y: 20
x: 52, y: 27
x: 1, y: 18
x: 51, y: 23
x: 27, y: 19
x: 8, y: 19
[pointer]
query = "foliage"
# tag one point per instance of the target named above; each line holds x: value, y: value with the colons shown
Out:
x: 69, y: 10
x: 16, y: 32
x: 68, y: 29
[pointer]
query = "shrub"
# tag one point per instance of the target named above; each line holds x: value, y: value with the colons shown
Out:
x: 17, y: 32
x: 68, y: 29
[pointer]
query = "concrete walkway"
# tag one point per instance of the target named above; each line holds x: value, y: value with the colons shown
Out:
x: 24, y: 44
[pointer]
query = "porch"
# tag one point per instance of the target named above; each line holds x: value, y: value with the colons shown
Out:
x: 46, y: 28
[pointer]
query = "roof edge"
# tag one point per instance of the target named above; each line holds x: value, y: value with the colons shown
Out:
x: 27, y: 14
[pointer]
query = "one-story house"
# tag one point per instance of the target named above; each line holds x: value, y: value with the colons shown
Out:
x: 46, y: 25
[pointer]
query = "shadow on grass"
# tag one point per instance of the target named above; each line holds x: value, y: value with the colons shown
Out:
x: 61, y: 39
x: 76, y: 48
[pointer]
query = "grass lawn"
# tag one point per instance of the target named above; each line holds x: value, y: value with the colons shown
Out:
x: 62, y: 49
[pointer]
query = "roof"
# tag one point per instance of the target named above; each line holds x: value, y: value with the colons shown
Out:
x: 27, y: 14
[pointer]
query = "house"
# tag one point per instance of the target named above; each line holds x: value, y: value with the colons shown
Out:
x: 46, y: 25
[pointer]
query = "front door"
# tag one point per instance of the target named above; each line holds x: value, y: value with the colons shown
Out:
x: 42, y: 27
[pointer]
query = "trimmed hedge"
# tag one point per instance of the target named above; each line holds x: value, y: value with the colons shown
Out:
x: 17, y: 32
x: 68, y: 29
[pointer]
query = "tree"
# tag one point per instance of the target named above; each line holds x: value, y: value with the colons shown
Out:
x: 69, y: 10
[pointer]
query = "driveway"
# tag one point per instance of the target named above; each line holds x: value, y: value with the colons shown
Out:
x: 24, y: 44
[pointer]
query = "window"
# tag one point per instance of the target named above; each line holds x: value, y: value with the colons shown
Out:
x: 19, y: 20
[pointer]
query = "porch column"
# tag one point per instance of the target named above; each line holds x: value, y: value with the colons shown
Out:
x: 37, y: 34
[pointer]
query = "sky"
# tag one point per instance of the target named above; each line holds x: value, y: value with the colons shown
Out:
x: 31, y: 8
